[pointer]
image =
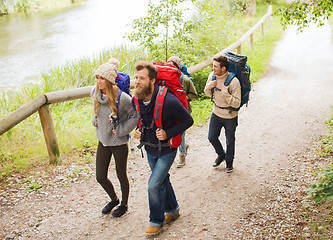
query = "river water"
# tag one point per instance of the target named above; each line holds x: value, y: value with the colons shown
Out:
x: 32, y: 44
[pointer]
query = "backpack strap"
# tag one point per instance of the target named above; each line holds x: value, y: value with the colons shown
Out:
x: 137, y: 109
x: 181, y: 78
x: 140, y: 124
x: 226, y: 83
x: 157, y: 118
x: 116, y: 120
x: 229, y: 78
x: 159, y: 106
x: 158, y: 111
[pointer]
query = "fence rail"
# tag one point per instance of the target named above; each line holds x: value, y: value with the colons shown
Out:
x: 42, y: 102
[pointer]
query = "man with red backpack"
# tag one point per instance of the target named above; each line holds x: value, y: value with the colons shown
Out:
x: 191, y: 94
x: 158, y: 141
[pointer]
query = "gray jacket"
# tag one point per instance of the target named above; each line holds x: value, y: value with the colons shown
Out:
x: 127, y: 120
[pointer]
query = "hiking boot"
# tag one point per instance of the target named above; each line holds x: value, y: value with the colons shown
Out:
x: 229, y: 169
x: 181, y: 160
x: 218, y: 161
x: 169, y: 218
x: 153, y: 230
x: 121, y: 210
x: 108, y: 207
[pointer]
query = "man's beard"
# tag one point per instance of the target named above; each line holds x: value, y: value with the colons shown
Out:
x: 145, y: 91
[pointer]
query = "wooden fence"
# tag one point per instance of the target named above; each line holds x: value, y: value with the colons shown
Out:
x: 42, y: 102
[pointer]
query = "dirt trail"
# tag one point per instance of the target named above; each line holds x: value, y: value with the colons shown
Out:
x: 286, y: 112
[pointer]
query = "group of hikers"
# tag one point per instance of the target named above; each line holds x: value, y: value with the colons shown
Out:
x: 160, y: 120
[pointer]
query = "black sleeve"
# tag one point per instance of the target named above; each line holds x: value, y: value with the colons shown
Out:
x: 174, y: 111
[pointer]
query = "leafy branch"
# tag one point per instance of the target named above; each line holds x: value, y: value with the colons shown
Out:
x: 303, y: 14
x: 165, y: 21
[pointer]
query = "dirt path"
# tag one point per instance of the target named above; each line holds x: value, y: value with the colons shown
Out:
x: 286, y: 113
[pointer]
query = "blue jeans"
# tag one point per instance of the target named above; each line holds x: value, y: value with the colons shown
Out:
x: 162, y: 198
x: 182, y: 147
x: 215, y: 126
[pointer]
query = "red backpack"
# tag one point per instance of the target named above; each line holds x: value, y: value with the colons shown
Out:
x: 168, y: 78
x: 168, y: 75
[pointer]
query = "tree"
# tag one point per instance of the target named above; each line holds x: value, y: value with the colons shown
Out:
x: 164, y: 22
x: 303, y: 13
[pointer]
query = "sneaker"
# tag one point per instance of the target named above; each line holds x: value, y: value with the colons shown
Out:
x: 169, y: 218
x: 121, y: 210
x: 153, y: 230
x: 218, y: 161
x: 108, y: 207
x: 181, y: 160
x: 229, y: 169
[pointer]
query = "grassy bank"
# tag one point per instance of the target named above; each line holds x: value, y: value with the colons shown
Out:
x: 23, y: 147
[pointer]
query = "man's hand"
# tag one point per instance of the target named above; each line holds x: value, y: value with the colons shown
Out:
x: 212, y: 84
x: 137, y: 133
x: 160, y: 134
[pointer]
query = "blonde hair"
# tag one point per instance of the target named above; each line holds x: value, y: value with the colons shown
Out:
x: 112, y: 92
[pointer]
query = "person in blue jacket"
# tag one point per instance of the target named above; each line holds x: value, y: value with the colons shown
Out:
x: 163, y: 204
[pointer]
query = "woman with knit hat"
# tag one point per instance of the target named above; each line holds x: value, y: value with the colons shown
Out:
x: 112, y: 135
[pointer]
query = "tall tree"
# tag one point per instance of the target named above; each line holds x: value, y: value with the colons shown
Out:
x: 303, y: 13
x: 164, y: 22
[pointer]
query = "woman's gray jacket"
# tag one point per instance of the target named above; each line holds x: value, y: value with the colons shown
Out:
x: 127, y: 120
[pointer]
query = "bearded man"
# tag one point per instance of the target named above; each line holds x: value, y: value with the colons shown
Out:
x: 176, y: 119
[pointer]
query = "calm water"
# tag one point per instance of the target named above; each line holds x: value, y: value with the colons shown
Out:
x: 35, y: 43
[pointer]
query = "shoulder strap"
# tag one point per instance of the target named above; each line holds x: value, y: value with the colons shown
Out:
x: 226, y: 83
x: 158, y: 112
x: 159, y: 106
x: 137, y: 109
x: 117, y: 104
x: 181, y: 78
x: 229, y: 78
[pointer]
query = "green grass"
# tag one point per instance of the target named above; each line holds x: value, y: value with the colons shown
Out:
x: 23, y: 147
x: 259, y: 56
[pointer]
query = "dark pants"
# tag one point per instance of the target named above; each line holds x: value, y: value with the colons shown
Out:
x: 103, y: 158
x: 215, y: 126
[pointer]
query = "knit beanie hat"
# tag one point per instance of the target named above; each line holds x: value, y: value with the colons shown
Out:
x: 175, y: 60
x: 114, y: 61
x: 107, y: 71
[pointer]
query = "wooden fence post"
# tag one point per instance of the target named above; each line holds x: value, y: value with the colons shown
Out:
x: 251, y: 40
x: 262, y: 29
x: 49, y: 134
x: 239, y: 49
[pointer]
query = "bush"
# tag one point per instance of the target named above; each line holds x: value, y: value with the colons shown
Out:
x: 323, y: 189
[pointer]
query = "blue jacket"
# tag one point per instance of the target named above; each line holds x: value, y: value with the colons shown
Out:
x: 172, y: 110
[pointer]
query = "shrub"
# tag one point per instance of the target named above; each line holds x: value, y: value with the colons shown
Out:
x: 323, y: 189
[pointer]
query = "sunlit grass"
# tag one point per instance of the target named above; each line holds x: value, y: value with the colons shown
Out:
x: 259, y: 55
x: 201, y: 111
